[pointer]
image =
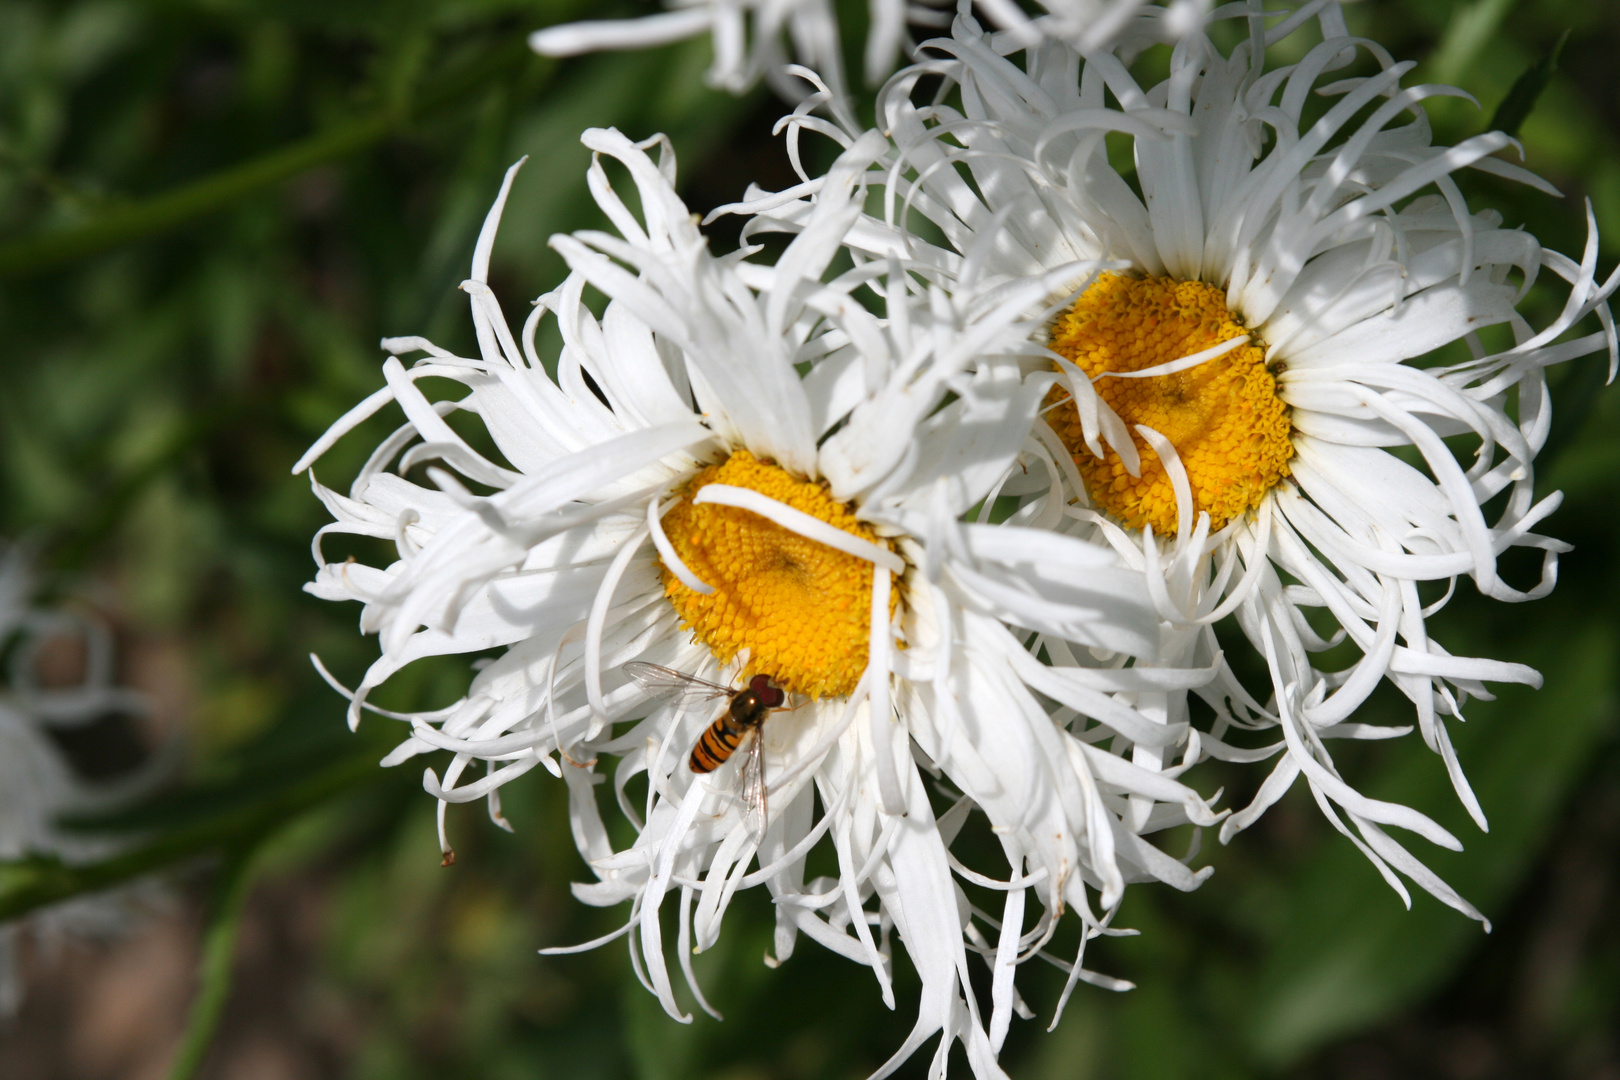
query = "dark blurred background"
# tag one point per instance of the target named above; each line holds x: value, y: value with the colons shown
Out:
x: 211, y: 210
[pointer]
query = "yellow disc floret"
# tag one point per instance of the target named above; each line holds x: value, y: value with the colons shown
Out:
x: 802, y: 609
x: 1224, y: 417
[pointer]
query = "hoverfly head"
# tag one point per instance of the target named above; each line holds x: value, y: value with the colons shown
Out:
x: 769, y: 696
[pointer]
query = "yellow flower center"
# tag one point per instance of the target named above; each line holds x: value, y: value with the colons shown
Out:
x: 801, y: 608
x: 1224, y: 417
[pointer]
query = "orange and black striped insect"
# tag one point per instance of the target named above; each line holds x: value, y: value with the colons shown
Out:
x: 743, y: 719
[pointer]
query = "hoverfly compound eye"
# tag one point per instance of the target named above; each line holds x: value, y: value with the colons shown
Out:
x: 768, y: 695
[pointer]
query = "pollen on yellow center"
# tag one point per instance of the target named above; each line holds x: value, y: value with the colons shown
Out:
x: 1229, y: 427
x: 802, y: 609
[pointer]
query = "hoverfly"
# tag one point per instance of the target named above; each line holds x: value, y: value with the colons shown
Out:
x: 743, y: 719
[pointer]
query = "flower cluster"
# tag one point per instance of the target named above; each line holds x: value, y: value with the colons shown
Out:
x: 939, y: 508
x: 771, y: 38
x: 37, y: 784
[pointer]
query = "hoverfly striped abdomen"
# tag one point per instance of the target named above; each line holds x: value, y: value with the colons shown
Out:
x: 716, y: 745
x: 747, y: 712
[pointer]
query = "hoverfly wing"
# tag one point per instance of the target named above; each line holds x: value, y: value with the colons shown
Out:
x: 668, y: 685
x: 755, y: 811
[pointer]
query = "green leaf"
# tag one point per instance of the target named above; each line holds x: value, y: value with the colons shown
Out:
x: 1349, y: 954
x: 1521, y: 96
x: 215, y: 966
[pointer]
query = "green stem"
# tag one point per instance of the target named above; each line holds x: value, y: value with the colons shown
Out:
x: 31, y: 883
x: 218, y: 955
x: 43, y: 251
x: 51, y: 248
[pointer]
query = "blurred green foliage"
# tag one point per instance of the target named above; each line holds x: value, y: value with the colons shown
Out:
x: 211, y: 210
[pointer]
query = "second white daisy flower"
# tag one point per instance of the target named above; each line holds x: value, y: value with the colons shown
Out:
x: 1234, y: 383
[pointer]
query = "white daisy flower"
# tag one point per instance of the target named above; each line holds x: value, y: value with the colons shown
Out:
x: 678, y: 499
x: 37, y: 785
x: 1255, y: 382
x: 768, y: 37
